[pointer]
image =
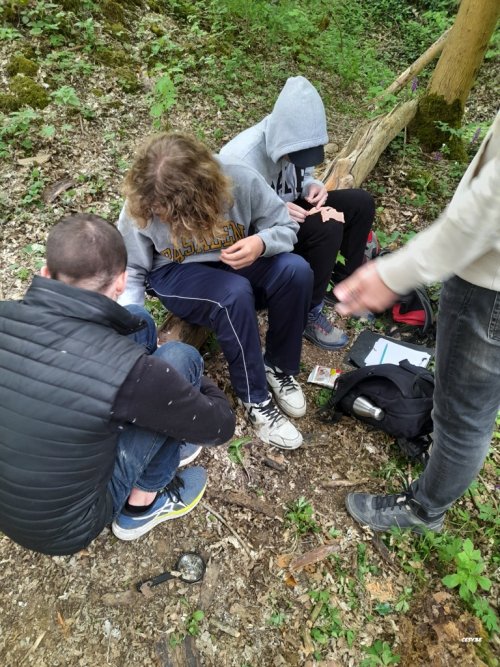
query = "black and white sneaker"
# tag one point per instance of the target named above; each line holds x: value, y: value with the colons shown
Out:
x: 271, y: 426
x: 287, y: 392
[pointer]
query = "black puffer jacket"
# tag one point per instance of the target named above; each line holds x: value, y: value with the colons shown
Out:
x: 63, y: 356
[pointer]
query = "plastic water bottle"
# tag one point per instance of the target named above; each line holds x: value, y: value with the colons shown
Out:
x: 365, y: 408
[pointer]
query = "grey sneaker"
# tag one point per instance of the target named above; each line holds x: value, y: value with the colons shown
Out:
x: 322, y: 333
x: 271, y: 426
x: 189, y: 453
x: 287, y: 392
x: 400, y: 510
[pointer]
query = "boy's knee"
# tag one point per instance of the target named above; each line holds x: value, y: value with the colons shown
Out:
x: 183, y: 357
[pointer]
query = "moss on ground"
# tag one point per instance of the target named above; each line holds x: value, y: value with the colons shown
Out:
x: 19, y: 64
x: 23, y: 91
x: 112, y: 57
x: 127, y: 79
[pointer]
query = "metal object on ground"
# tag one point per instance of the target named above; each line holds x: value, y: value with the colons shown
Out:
x: 189, y: 568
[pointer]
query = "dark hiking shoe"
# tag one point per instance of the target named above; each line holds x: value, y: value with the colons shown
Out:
x: 400, y: 510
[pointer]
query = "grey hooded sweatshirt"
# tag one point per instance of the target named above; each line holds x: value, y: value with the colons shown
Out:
x: 297, y: 122
x: 255, y: 210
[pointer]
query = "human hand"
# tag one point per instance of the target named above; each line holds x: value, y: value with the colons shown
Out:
x: 243, y: 253
x: 317, y: 195
x: 363, y: 291
x: 296, y: 212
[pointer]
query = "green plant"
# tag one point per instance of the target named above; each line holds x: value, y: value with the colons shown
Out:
x: 35, y: 188
x: 66, y: 96
x: 193, y: 624
x: 277, y: 619
x: 156, y: 309
x: 15, y: 128
x: 8, y: 34
x: 163, y: 98
x: 235, y: 449
x: 468, y: 577
x: 300, y: 516
x: 402, y: 603
x: 379, y: 653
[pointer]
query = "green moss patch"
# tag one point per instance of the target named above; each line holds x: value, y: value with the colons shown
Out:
x: 23, y: 91
x: 19, y: 64
x: 433, y: 135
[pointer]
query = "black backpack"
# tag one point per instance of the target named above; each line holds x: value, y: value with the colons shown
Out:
x: 400, y: 398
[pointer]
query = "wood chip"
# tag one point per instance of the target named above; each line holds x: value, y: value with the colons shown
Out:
x: 39, y: 158
x: 208, y: 586
x: 224, y: 628
x: 315, y: 555
x: 53, y: 191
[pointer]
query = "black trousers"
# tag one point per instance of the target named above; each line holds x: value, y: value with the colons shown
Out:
x: 319, y: 242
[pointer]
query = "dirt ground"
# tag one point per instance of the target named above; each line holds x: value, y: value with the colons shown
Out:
x: 258, y: 611
x: 84, y: 610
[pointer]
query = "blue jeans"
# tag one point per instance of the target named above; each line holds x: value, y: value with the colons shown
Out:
x: 144, y: 459
x: 466, y: 397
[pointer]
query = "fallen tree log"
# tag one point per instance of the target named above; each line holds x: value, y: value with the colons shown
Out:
x: 173, y: 328
x: 415, y: 68
x: 365, y: 146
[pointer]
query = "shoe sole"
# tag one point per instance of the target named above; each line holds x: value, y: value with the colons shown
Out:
x: 266, y: 441
x: 189, y: 459
x: 128, y: 534
x: 316, y: 342
x: 419, y: 529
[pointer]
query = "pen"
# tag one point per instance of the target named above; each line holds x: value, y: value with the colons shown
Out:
x: 383, y: 353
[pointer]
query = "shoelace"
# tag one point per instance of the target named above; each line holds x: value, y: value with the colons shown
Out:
x: 392, y: 501
x: 323, y: 323
x: 173, y: 489
x: 271, y: 412
x: 286, y: 382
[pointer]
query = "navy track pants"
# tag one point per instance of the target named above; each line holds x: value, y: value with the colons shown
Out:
x: 215, y: 296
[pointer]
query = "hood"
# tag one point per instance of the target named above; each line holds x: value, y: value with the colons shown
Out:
x: 297, y: 121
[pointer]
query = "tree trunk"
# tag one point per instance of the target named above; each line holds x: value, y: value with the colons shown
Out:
x: 361, y: 153
x: 454, y: 75
x: 173, y: 328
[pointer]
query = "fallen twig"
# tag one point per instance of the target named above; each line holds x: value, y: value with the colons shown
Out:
x: 342, y: 482
x: 270, y: 463
x: 243, y: 500
x: 230, y: 528
x: 224, y: 628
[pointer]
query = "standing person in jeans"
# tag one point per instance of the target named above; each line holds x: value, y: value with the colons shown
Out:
x: 93, y: 416
x: 463, y: 246
x: 213, y: 242
x: 284, y: 147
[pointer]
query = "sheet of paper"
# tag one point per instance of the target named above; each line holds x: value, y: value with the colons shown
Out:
x: 387, y: 352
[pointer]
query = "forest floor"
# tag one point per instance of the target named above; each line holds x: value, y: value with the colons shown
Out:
x: 373, y: 600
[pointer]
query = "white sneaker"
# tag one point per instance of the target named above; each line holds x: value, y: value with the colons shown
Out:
x: 271, y: 426
x: 287, y: 392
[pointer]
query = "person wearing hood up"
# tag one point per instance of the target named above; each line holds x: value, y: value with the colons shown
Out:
x: 284, y: 148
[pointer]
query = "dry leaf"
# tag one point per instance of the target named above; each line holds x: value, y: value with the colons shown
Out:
x: 283, y: 560
x: 290, y: 580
